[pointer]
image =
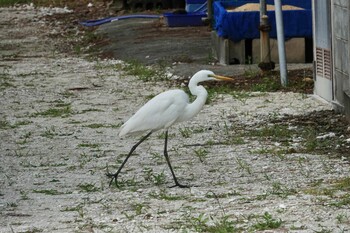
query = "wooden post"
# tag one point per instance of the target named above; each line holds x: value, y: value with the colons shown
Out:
x: 264, y: 27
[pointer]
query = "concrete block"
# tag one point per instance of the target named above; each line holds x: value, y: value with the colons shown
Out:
x: 295, y: 50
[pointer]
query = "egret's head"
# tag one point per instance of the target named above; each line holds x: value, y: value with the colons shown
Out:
x: 207, y: 75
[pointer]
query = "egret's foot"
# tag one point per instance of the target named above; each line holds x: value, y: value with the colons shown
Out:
x: 113, y: 177
x: 180, y: 186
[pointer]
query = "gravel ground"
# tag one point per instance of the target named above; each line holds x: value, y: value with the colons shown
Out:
x: 60, y: 115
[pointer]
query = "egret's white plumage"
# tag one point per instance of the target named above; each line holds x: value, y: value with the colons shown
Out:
x: 170, y: 107
x: 166, y: 109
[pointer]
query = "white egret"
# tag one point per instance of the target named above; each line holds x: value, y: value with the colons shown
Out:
x: 163, y: 111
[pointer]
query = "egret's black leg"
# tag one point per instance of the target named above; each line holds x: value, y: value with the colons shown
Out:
x: 177, y: 184
x: 115, y: 175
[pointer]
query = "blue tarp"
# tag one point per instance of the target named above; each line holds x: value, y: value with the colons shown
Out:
x: 245, y: 25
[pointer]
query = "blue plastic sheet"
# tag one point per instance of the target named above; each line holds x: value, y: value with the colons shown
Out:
x: 245, y: 25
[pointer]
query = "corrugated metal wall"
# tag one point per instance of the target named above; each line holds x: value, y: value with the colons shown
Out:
x: 341, y: 48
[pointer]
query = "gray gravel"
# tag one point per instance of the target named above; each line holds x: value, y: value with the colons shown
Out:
x: 59, y: 124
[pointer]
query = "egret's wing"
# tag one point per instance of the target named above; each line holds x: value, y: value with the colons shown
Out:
x: 160, y: 112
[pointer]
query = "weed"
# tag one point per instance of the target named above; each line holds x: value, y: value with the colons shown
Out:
x: 21, y: 154
x: 222, y: 225
x: 7, y: 125
x: 95, y: 126
x: 91, y: 110
x: 243, y: 165
x: 268, y: 84
x: 48, y: 191
x: 201, y: 153
x: 268, y: 222
x: 132, y: 184
x: 88, y: 188
x: 98, y: 125
x: 222, y: 195
x: 157, y: 157
x: 49, y: 132
x: 275, y: 132
x: 55, y: 112
x: 163, y: 195
x: 185, y: 132
x: 281, y: 190
x: 4, y: 3
x: 11, y: 204
x: 342, y: 184
x: 67, y: 94
x: 250, y: 72
x: 24, y: 138
x: 157, y: 179
x: 342, y: 218
x: 24, y: 195
x: 89, y: 145
x: 139, y: 207
x: 5, y: 81
x: 144, y: 73
x: 344, y: 200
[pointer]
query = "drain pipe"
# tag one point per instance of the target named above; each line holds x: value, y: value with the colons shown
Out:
x: 281, y: 45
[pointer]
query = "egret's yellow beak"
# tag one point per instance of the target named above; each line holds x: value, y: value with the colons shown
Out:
x: 222, y: 78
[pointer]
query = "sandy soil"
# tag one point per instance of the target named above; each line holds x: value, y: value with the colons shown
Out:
x: 60, y: 115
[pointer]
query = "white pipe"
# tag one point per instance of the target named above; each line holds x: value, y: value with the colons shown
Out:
x: 281, y: 45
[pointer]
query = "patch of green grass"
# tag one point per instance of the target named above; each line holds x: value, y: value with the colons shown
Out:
x: 281, y: 190
x: 157, y: 179
x: 268, y: 84
x: 48, y: 191
x: 131, y: 184
x: 185, y: 132
x: 342, y: 184
x: 49, y: 132
x: 89, y: 145
x: 144, y: 73
x: 4, y: 124
x: 55, y: 112
x: 163, y: 195
x: 88, y: 188
x: 139, y: 207
x: 4, y: 3
x: 99, y: 125
x: 201, y: 153
x: 311, y: 143
x: 73, y: 208
x: 243, y: 165
x: 344, y: 200
x: 91, y: 110
x: 222, y: 195
x: 95, y: 126
x: 338, y: 185
x: 222, y: 225
x: 267, y: 222
x: 275, y: 132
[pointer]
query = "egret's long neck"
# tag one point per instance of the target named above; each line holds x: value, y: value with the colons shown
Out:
x: 193, y: 108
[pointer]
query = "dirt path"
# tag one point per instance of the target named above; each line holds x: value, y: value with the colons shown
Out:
x: 59, y: 122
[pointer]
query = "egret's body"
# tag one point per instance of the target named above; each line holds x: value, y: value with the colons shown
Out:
x: 164, y: 110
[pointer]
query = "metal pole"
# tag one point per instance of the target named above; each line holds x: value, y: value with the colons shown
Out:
x: 281, y: 45
x: 262, y: 8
